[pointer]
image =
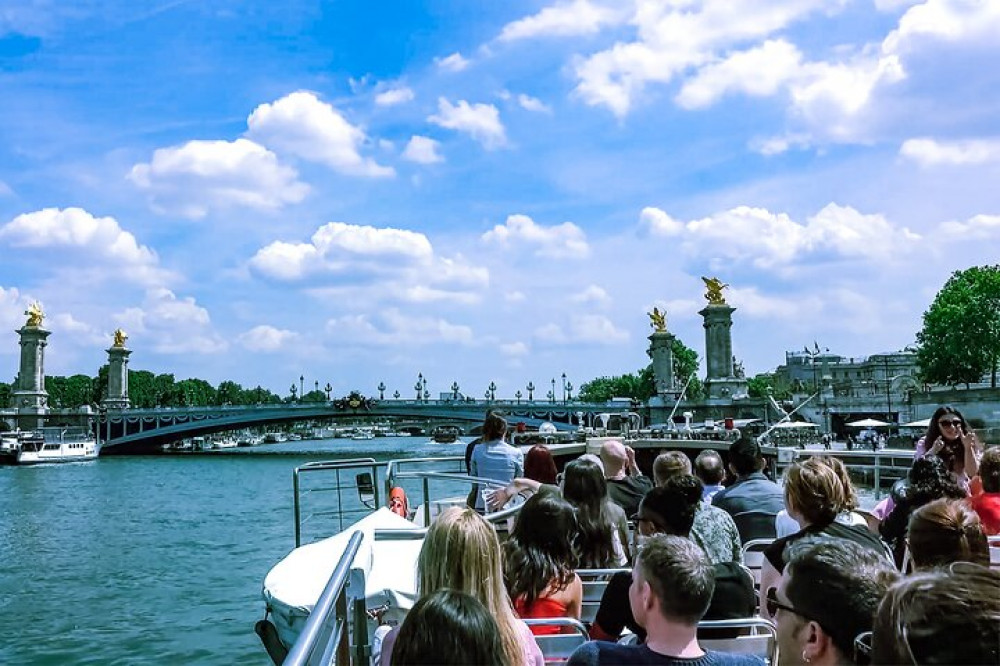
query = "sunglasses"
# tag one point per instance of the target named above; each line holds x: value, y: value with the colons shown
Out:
x: 773, y: 605
x: 863, y: 648
x: 950, y: 423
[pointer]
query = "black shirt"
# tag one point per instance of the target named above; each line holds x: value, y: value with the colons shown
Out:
x: 775, y: 553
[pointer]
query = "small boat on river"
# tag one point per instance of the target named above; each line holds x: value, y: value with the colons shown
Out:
x: 48, y: 446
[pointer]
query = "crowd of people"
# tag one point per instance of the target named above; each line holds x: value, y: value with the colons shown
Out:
x: 910, y: 583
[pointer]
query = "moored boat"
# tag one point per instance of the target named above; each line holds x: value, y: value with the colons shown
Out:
x: 47, y: 446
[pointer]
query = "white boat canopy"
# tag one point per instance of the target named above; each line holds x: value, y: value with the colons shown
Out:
x: 922, y: 423
x: 796, y: 424
x: 867, y: 423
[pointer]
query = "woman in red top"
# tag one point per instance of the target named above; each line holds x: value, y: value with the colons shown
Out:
x: 540, y: 559
x: 987, y: 503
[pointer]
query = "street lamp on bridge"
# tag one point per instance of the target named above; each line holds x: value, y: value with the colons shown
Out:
x: 302, y: 385
x: 381, y: 390
x: 293, y: 389
x: 328, y: 388
x: 531, y: 389
x: 569, y: 391
x: 419, y: 386
x: 552, y: 393
x: 517, y: 395
x: 454, y: 390
x: 492, y: 390
x: 564, y: 387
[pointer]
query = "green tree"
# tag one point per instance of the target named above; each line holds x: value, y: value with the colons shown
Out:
x: 196, y: 392
x: 142, y: 388
x: 960, y: 338
x: 685, y: 365
x: 6, y: 394
x: 230, y: 393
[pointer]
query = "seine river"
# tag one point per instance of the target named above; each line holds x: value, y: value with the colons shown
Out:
x: 153, y: 559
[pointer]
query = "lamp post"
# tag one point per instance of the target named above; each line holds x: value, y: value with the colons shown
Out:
x: 564, y: 387
x: 427, y: 395
x: 302, y: 385
x: 517, y: 394
x: 396, y: 395
x: 552, y: 393
x: 531, y: 389
x: 419, y: 386
x: 493, y: 391
x: 454, y: 390
x: 328, y: 388
x: 381, y: 390
x: 569, y: 391
x: 293, y: 390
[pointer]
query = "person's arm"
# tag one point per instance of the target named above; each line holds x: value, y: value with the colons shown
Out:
x: 971, y: 445
x: 633, y: 468
x: 501, y: 496
x: 574, y: 598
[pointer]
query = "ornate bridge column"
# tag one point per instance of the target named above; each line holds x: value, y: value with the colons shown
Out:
x: 117, y: 397
x: 29, y: 395
x: 721, y: 380
x: 661, y: 352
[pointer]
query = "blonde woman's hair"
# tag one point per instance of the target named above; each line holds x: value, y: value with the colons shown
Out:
x: 461, y: 552
x: 815, y: 490
x: 850, y: 495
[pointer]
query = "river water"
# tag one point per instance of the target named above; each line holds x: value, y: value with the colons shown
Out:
x: 153, y: 559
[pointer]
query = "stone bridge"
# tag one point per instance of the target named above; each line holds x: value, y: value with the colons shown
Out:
x: 133, y: 431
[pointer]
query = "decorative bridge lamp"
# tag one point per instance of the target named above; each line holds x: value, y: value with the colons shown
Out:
x: 493, y: 391
x: 328, y: 388
x: 454, y: 390
x: 531, y: 389
x: 302, y: 386
x: 569, y: 391
x: 294, y: 389
x: 381, y: 390
x: 564, y: 387
x: 517, y: 394
x: 552, y: 393
x: 396, y: 395
x: 419, y: 387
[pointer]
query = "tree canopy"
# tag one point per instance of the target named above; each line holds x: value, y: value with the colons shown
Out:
x: 960, y: 339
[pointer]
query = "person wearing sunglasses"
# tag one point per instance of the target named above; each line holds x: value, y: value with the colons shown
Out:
x: 950, y: 438
x: 827, y: 596
x: 942, y: 616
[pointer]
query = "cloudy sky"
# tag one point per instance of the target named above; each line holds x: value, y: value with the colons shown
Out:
x: 359, y: 191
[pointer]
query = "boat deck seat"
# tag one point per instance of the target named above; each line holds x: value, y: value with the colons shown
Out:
x: 758, y: 637
x: 594, y: 583
x: 556, y: 648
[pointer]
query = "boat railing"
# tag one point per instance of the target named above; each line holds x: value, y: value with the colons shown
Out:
x: 337, y: 468
x: 425, y: 477
x: 325, y: 639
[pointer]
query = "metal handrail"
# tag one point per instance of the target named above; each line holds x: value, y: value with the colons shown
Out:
x: 426, y: 476
x: 392, y: 469
x: 322, y: 641
x: 353, y: 463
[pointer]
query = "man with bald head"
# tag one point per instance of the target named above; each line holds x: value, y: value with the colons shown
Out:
x: 626, y: 484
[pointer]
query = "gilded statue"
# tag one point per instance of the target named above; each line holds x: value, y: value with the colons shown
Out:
x: 35, y: 315
x: 658, y: 320
x: 120, y: 338
x: 714, y: 288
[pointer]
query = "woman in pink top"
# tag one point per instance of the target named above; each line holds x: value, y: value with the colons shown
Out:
x: 950, y: 438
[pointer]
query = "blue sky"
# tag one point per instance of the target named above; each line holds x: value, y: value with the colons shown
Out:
x: 357, y: 191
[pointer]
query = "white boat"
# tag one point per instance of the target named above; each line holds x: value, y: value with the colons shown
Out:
x: 363, y: 434
x: 48, y: 445
x: 226, y: 443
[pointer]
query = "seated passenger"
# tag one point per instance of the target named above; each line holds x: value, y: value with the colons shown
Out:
x: 626, y: 484
x: 814, y: 496
x: 752, y: 491
x: 987, y: 503
x: 603, y: 528
x: 927, y: 480
x: 946, y: 531
x: 670, y: 509
x: 943, y: 616
x: 672, y: 586
x: 828, y: 595
x: 710, y: 470
x: 494, y: 458
x: 450, y: 628
x: 461, y: 552
x: 713, y: 529
x: 540, y: 560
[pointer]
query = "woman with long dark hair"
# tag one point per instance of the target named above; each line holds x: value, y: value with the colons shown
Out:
x: 540, y: 559
x: 950, y: 438
x: 603, y: 536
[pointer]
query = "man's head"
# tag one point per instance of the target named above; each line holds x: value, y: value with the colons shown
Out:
x: 672, y: 580
x: 614, y: 457
x: 670, y: 508
x: 709, y: 468
x: 744, y: 457
x: 669, y: 464
x: 828, y: 595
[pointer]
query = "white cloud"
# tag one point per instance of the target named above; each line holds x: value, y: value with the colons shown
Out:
x: 386, y: 263
x: 393, y: 328
x: 592, y: 294
x: 453, y: 63
x: 561, y: 241
x: 12, y: 306
x: 957, y: 21
x: 394, y: 96
x: 978, y: 226
x: 582, y: 329
x: 64, y: 322
x: 304, y: 126
x: 568, y: 19
x: 533, y: 104
x: 514, y: 296
x: 758, y: 71
x: 514, y: 349
x: 87, y: 241
x: 776, y: 145
x: 172, y: 325
x: 932, y: 152
x: 480, y: 121
x: 422, y: 150
x: 5, y: 190
x: 266, y: 338
x: 658, y: 222
x: 764, y: 239
x: 201, y: 175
